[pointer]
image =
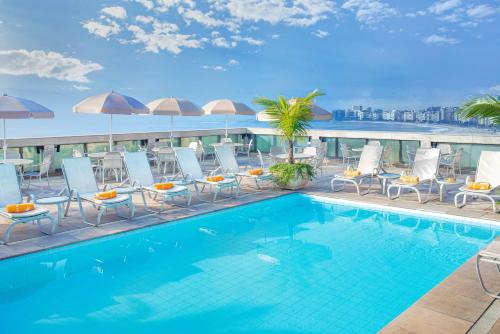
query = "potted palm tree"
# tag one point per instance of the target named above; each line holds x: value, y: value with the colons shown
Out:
x: 482, y: 107
x: 291, y: 118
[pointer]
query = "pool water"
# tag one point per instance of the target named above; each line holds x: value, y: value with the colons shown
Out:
x: 294, y: 264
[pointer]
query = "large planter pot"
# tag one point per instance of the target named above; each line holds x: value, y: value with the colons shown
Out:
x: 295, y: 184
x: 292, y: 176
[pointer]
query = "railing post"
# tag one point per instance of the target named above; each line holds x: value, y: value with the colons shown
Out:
x: 336, y: 147
x: 400, y: 151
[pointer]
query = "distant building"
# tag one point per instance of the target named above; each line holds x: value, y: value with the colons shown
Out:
x: 408, y: 116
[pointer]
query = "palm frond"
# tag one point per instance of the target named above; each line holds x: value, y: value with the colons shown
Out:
x: 482, y: 107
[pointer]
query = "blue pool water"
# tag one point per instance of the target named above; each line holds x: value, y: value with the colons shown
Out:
x: 294, y: 264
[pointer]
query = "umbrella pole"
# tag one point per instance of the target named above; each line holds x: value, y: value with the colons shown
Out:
x: 227, y: 124
x: 111, y: 132
x: 4, y: 141
x: 171, y: 130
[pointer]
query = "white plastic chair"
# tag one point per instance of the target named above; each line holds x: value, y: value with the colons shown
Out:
x: 166, y: 157
x: 425, y: 167
x: 369, y: 166
x: 112, y: 162
x: 43, y: 171
x: 191, y: 172
x: 81, y: 185
x: 488, y: 170
x: 229, y: 166
x: 348, y: 156
x: 10, y: 193
x: 141, y: 177
x: 245, y: 149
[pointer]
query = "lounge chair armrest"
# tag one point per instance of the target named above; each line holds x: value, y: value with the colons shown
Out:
x: 166, y: 179
x: 213, y: 172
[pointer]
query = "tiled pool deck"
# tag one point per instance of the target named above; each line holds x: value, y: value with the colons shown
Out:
x: 456, y: 305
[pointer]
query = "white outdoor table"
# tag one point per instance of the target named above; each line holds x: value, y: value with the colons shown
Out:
x: 100, y: 155
x: 59, y: 201
x: 443, y: 184
x: 16, y: 162
x: 157, y: 149
x: 387, y: 176
x: 296, y: 156
x: 233, y: 144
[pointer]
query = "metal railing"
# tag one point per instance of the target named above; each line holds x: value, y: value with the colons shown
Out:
x: 264, y: 138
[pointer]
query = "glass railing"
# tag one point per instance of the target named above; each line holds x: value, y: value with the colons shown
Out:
x: 399, y: 150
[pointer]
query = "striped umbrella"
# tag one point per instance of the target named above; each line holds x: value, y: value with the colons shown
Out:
x: 227, y: 107
x: 18, y: 108
x: 111, y: 103
x: 173, y: 107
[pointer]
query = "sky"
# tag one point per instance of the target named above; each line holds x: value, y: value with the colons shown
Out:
x: 379, y: 53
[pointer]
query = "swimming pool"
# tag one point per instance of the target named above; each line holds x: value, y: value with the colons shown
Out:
x: 286, y: 265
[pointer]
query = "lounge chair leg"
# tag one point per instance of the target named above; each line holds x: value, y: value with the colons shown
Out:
x: 131, y: 208
x: 6, y: 236
x: 100, y: 213
x: 418, y: 196
x: 481, y: 281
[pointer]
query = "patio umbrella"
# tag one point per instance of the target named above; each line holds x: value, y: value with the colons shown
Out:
x: 227, y: 107
x: 17, y: 108
x: 112, y: 103
x: 173, y: 107
x: 319, y: 114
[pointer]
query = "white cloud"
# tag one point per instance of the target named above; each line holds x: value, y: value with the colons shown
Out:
x: 221, y: 42
x: 146, y: 3
x: 80, y: 87
x: 495, y: 88
x: 233, y: 62
x: 442, y: 6
x: 198, y: 16
x: 249, y: 40
x: 218, y: 68
x: 416, y: 14
x: 164, y: 36
x: 102, y: 29
x: 275, y: 36
x: 295, y: 12
x: 117, y: 12
x: 370, y: 12
x: 164, y: 5
x: 46, y: 65
x: 320, y: 33
x: 439, y: 39
x: 144, y: 19
x: 481, y: 11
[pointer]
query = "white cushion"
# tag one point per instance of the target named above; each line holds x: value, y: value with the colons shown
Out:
x: 175, y: 189
x: 26, y: 214
x: 117, y: 199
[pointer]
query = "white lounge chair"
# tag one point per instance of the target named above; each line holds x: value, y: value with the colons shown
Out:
x: 488, y: 170
x: 425, y: 167
x: 82, y: 186
x: 192, y: 173
x: 10, y: 193
x: 229, y: 166
x: 369, y: 167
x: 140, y: 177
x: 491, y: 256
